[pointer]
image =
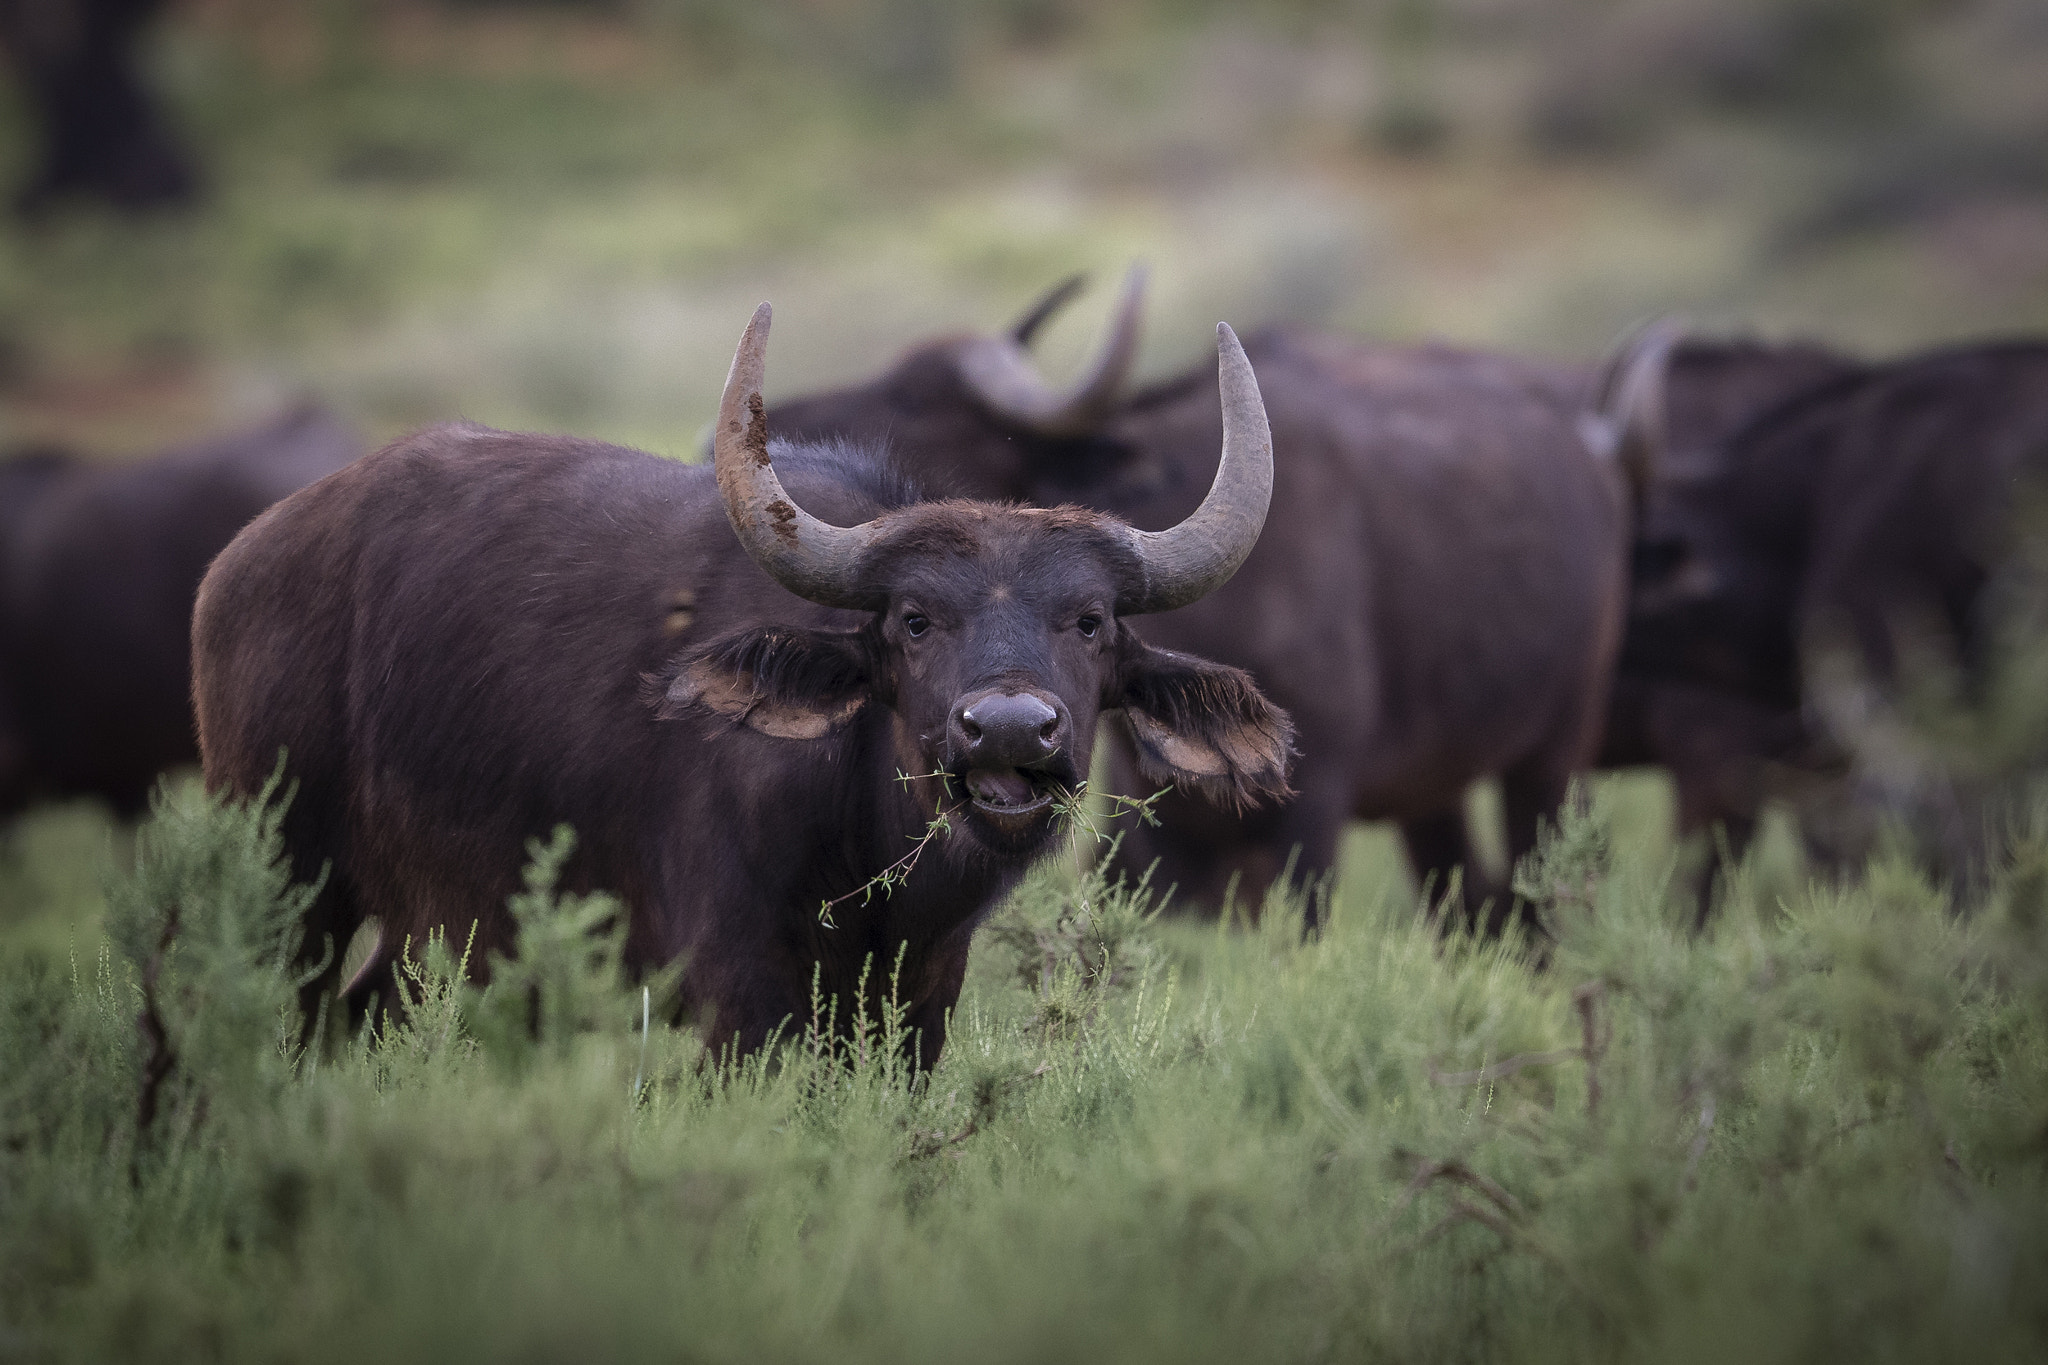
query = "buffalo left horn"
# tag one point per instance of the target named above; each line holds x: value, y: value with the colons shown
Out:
x: 1193, y: 559
x: 810, y: 558
x: 1049, y: 303
x: 999, y: 372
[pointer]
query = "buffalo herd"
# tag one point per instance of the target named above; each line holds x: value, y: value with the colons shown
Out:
x: 820, y: 703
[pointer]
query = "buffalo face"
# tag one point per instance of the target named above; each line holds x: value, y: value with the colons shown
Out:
x: 996, y: 650
x: 993, y: 633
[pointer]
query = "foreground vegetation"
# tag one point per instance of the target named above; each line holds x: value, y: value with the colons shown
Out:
x: 1818, y: 1130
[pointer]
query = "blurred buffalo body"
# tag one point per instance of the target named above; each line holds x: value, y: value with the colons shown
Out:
x: 474, y: 635
x: 26, y: 478
x: 1861, y: 519
x: 102, y: 135
x: 98, y: 569
x: 1438, y: 595
x: 1711, y: 737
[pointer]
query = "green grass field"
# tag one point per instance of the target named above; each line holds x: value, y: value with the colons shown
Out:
x: 1818, y: 1131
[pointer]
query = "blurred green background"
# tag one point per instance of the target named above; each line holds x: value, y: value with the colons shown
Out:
x: 555, y: 214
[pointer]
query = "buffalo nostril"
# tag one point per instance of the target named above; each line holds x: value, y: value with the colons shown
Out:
x: 1018, y: 729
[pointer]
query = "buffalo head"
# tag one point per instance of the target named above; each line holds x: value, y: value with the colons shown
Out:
x: 994, y: 636
x: 1716, y: 437
x: 973, y: 416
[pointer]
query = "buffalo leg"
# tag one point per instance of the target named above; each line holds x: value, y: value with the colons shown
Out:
x: 1528, y: 801
x: 1531, y: 795
x: 1437, y: 849
x: 330, y: 923
x: 1733, y: 834
x: 925, y: 1022
x: 1723, y: 800
x: 1304, y: 846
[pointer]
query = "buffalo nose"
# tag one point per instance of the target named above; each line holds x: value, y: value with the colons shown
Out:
x: 1008, y: 731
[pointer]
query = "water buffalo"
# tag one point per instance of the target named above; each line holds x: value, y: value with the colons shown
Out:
x: 1878, y: 502
x: 1440, y: 599
x: 744, y: 711
x: 1693, y: 394
x: 98, y: 568
x: 26, y: 477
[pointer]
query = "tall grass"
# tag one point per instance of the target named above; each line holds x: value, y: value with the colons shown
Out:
x: 1817, y: 1130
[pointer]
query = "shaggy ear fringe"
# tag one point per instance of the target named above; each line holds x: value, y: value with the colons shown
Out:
x: 1207, y: 727
x: 752, y: 673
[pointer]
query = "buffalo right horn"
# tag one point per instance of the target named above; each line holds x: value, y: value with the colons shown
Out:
x: 812, y: 559
x: 1187, y: 562
x: 1625, y: 422
x: 1002, y: 378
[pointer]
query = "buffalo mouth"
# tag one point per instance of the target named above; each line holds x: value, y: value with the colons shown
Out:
x: 1012, y: 799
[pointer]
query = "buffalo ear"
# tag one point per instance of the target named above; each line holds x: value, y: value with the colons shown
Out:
x: 1204, y: 726
x: 792, y: 684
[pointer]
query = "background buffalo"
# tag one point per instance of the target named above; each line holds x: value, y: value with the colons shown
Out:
x: 1705, y: 392
x: 1790, y: 574
x: 1438, y: 600
x: 99, y: 565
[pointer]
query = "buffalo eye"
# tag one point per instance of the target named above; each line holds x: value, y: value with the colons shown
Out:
x: 916, y: 623
x: 1089, y: 624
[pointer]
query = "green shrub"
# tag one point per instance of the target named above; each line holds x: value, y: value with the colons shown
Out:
x: 1817, y: 1129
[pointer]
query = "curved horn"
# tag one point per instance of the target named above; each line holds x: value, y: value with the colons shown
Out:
x: 1198, y: 556
x: 1059, y: 296
x: 1003, y: 379
x: 811, y: 559
x: 1625, y: 424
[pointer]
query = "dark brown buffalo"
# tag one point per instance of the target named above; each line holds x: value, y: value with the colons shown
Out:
x: 98, y: 568
x: 1699, y: 393
x: 1440, y: 598
x: 101, y: 133
x: 26, y: 477
x: 743, y: 711
x: 1876, y: 503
